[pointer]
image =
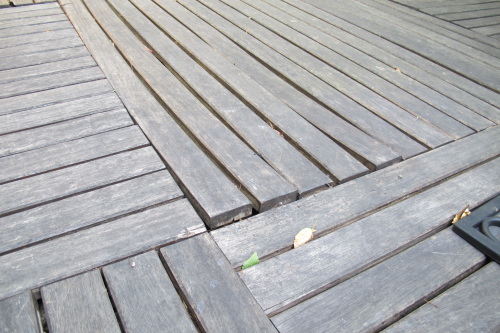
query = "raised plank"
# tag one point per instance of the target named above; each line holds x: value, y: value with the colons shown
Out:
x: 327, y: 210
x: 33, y: 29
x: 379, y: 296
x: 263, y: 185
x: 144, y: 296
x: 18, y: 314
x: 59, y: 112
x: 51, y: 81
x: 33, y: 21
x: 90, y: 248
x: 79, y: 304
x: 368, y: 150
x: 214, y: 196
x: 18, y: 142
x: 36, y: 37
x: 289, y: 161
x: 70, y: 152
x: 340, y: 103
x: 299, y: 274
x: 87, y: 209
x: 54, y: 96
x: 214, y: 292
x: 64, y: 182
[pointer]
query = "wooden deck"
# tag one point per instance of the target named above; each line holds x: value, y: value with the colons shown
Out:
x: 148, y: 148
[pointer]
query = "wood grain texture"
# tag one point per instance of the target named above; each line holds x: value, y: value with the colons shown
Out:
x: 36, y: 37
x: 79, y: 304
x: 479, y: 22
x: 215, y: 197
x: 18, y: 142
x: 37, y: 28
x: 15, y: 12
x: 68, y: 181
x: 375, y: 298
x: 327, y: 210
x: 87, y: 209
x: 25, y: 58
x: 470, y: 306
x: 33, y: 20
x: 144, y: 296
x: 90, y: 248
x: 216, y: 295
x: 18, y: 314
x: 42, y: 46
x: 299, y: 274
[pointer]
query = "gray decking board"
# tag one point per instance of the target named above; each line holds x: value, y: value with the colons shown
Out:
x: 367, y: 57
x: 373, y: 152
x: 215, y: 294
x: 264, y: 186
x: 36, y: 37
x: 379, y: 296
x: 327, y: 210
x: 460, y: 8
x: 489, y: 30
x: 57, y: 184
x: 42, y: 46
x: 347, y: 108
x: 299, y: 274
x: 70, y: 152
x: 478, y: 22
x: 413, y: 126
x: 470, y: 306
x: 281, y: 155
x: 79, y: 304
x: 87, y: 209
x: 13, y: 13
x: 51, y: 81
x: 33, y: 29
x: 39, y: 137
x: 215, y: 197
x: 32, y: 21
x: 144, y: 296
x: 18, y: 314
x: 79, y: 252
x: 469, y: 15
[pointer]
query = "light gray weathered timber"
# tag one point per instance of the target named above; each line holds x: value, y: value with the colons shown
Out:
x: 74, y: 49
x: 36, y: 37
x: 18, y: 314
x: 33, y: 29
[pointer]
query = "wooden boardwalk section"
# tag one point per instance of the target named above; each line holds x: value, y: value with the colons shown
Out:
x: 149, y: 147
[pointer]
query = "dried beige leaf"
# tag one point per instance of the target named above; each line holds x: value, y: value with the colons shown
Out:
x: 463, y: 213
x: 304, y: 236
x: 397, y: 69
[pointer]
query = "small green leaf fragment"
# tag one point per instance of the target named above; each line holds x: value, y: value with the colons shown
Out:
x: 252, y: 261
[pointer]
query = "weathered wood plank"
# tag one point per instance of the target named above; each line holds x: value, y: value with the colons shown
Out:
x: 299, y: 274
x: 18, y: 314
x: 144, y: 296
x: 326, y: 211
x: 374, y: 299
x: 215, y: 198
x: 71, y: 152
x: 469, y: 15
x: 36, y: 37
x: 19, y: 142
x: 58, y: 184
x: 34, y: 29
x: 370, y: 151
x: 489, y: 30
x: 32, y: 21
x: 54, y: 113
x: 90, y: 248
x: 436, y: 10
x: 22, y: 2
x: 470, y: 306
x: 53, y: 96
x: 478, y: 22
x: 264, y: 186
x: 79, y: 304
x: 42, y: 46
x: 14, y: 13
x: 215, y: 294
x: 342, y: 105
x: 87, y: 209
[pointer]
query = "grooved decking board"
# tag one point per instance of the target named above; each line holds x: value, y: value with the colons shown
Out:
x: 460, y: 8
x: 413, y: 126
x: 13, y: 13
x: 17, y: 314
x: 35, y: 71
x: 281, y: 155
x: 58, y: 112
x: 216, y: 199
x: 265, y: 187
x: 442, y: 107
x: 299, y: 274
x: 144, y: 296
x: 33, y: 29
x: 342, y: 105
x: 79, y: 304
x: 52, y: 81
x: 478, y: 22
x: 70, y: 152
x: 470, y: 306
x: 39, y: 137
x: 469, y: 15
x: 83, y: 210
x: 327, y: 210
x: 36, y: 37
x: 64, y: 182
x: 32, y: 21
x: 489, y: 30
x: 40, y: 47
x: 215, y: 294
x: 53, y: 96
x: 90, y: 248
x: 369, y: 150
x: 379, y: 296
x: 31, y: 59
